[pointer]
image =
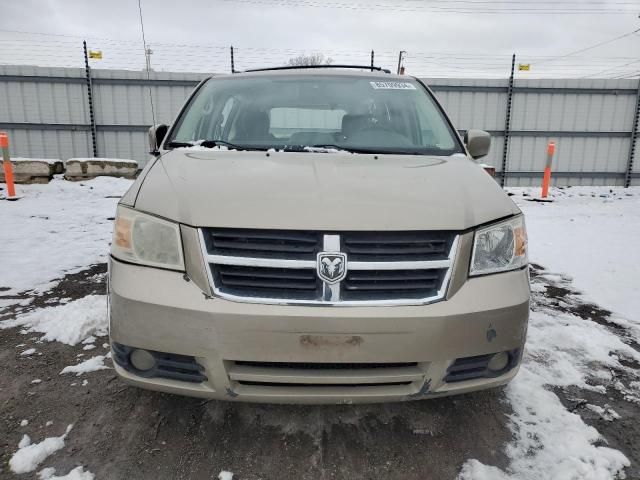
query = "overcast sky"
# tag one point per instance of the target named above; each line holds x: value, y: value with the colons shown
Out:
x: 441, y: 37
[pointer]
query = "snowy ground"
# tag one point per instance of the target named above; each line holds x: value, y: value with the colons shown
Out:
x: 57, y: 228
x: 572, y: 412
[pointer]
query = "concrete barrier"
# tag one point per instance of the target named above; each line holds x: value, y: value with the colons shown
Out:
x: 86, y: 168
x: 34, y: 170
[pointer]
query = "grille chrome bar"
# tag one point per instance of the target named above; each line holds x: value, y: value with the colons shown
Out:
x: 407, y: 265
x: 260, y: 262
x: 331, y: 292
x: 328, y: 295
x: 286, y: 263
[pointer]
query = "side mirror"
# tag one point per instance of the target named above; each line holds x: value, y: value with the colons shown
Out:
x: 478, y: 143
x: 156, y: 136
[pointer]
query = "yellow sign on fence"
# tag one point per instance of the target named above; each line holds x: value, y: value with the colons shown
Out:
x: 524, y: 67
x: 97, y: 54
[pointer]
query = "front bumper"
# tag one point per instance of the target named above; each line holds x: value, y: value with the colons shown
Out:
x: 164, y: 311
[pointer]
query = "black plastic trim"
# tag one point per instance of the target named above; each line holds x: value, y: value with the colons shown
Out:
x: 183, y: 368
x: 470, y: 368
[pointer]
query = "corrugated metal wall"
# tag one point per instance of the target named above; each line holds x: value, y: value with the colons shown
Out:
x: 590, y: 120
x: 46, y: 113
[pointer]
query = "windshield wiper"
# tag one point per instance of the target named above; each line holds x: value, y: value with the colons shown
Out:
x: 211, y: 144
x: 313, y: 148
x: 368, y: 150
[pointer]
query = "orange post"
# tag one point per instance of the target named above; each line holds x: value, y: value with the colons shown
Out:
x: 6, y: 164
x: 546, y: 179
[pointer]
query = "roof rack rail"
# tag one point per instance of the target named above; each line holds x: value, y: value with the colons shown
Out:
x: 300, y: 67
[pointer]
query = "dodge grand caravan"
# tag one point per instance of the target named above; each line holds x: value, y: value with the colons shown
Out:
x: 317, y: 236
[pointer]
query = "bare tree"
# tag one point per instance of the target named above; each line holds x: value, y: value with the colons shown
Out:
x: 313, y: 59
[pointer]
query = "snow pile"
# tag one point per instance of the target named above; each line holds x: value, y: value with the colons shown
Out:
x: 589, y: 232
x: 78, y: 473
x: 70, y: 323
x: 25, y: 442
x: 29, y: 455
x: 224, y: 475
x: 57, y: 228
x: 92, y: 365
x: 27, y: 352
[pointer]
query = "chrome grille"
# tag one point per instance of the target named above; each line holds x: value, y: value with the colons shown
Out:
x: 281, y: 266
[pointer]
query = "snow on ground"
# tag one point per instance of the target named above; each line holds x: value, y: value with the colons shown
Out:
x: 30, y: 455
x: 224, y: 475
x: 591, y: 234
x: 70, y: 323
x: 606, y: 413
x: 92, y: 365
x: 549, y: 441
x: 57, y: 228
x: 78, y: 473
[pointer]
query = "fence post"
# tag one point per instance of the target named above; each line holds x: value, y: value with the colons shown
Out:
x: 507, y: 125
x: 400, y: 59
x: 87, y: 71
x: 634, y: 138
x: 233, y: 67
x: 373, y: 56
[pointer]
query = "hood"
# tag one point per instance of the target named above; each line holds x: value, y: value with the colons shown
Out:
x: 321, y: 191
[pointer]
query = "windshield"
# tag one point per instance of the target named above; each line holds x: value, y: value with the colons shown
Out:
x: 295, y: 112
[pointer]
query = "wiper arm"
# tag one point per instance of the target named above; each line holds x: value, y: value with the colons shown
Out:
x: 346, y: 149
x: 366, y: 150
x: 312, y: 148
x: 210, y: 144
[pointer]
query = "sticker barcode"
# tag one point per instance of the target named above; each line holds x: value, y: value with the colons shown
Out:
x: 393, y: 85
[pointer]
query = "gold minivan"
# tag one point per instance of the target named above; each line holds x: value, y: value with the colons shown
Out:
x: 317, y: 235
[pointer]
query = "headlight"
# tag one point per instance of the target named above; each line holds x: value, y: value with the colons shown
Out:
x: 500, y: 247
x: 147, y: 240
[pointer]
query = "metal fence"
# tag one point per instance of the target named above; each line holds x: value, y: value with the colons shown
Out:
x: 594, y: 122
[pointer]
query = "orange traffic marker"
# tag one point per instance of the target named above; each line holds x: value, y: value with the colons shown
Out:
x: 8, y: 169
x: 546, y: 179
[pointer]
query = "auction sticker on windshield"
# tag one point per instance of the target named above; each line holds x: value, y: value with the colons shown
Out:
x: 393, y: 85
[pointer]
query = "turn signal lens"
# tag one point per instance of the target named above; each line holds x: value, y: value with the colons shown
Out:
x: 122, y: 233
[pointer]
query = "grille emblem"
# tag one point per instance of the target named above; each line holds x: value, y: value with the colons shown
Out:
x: 332, y: 267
